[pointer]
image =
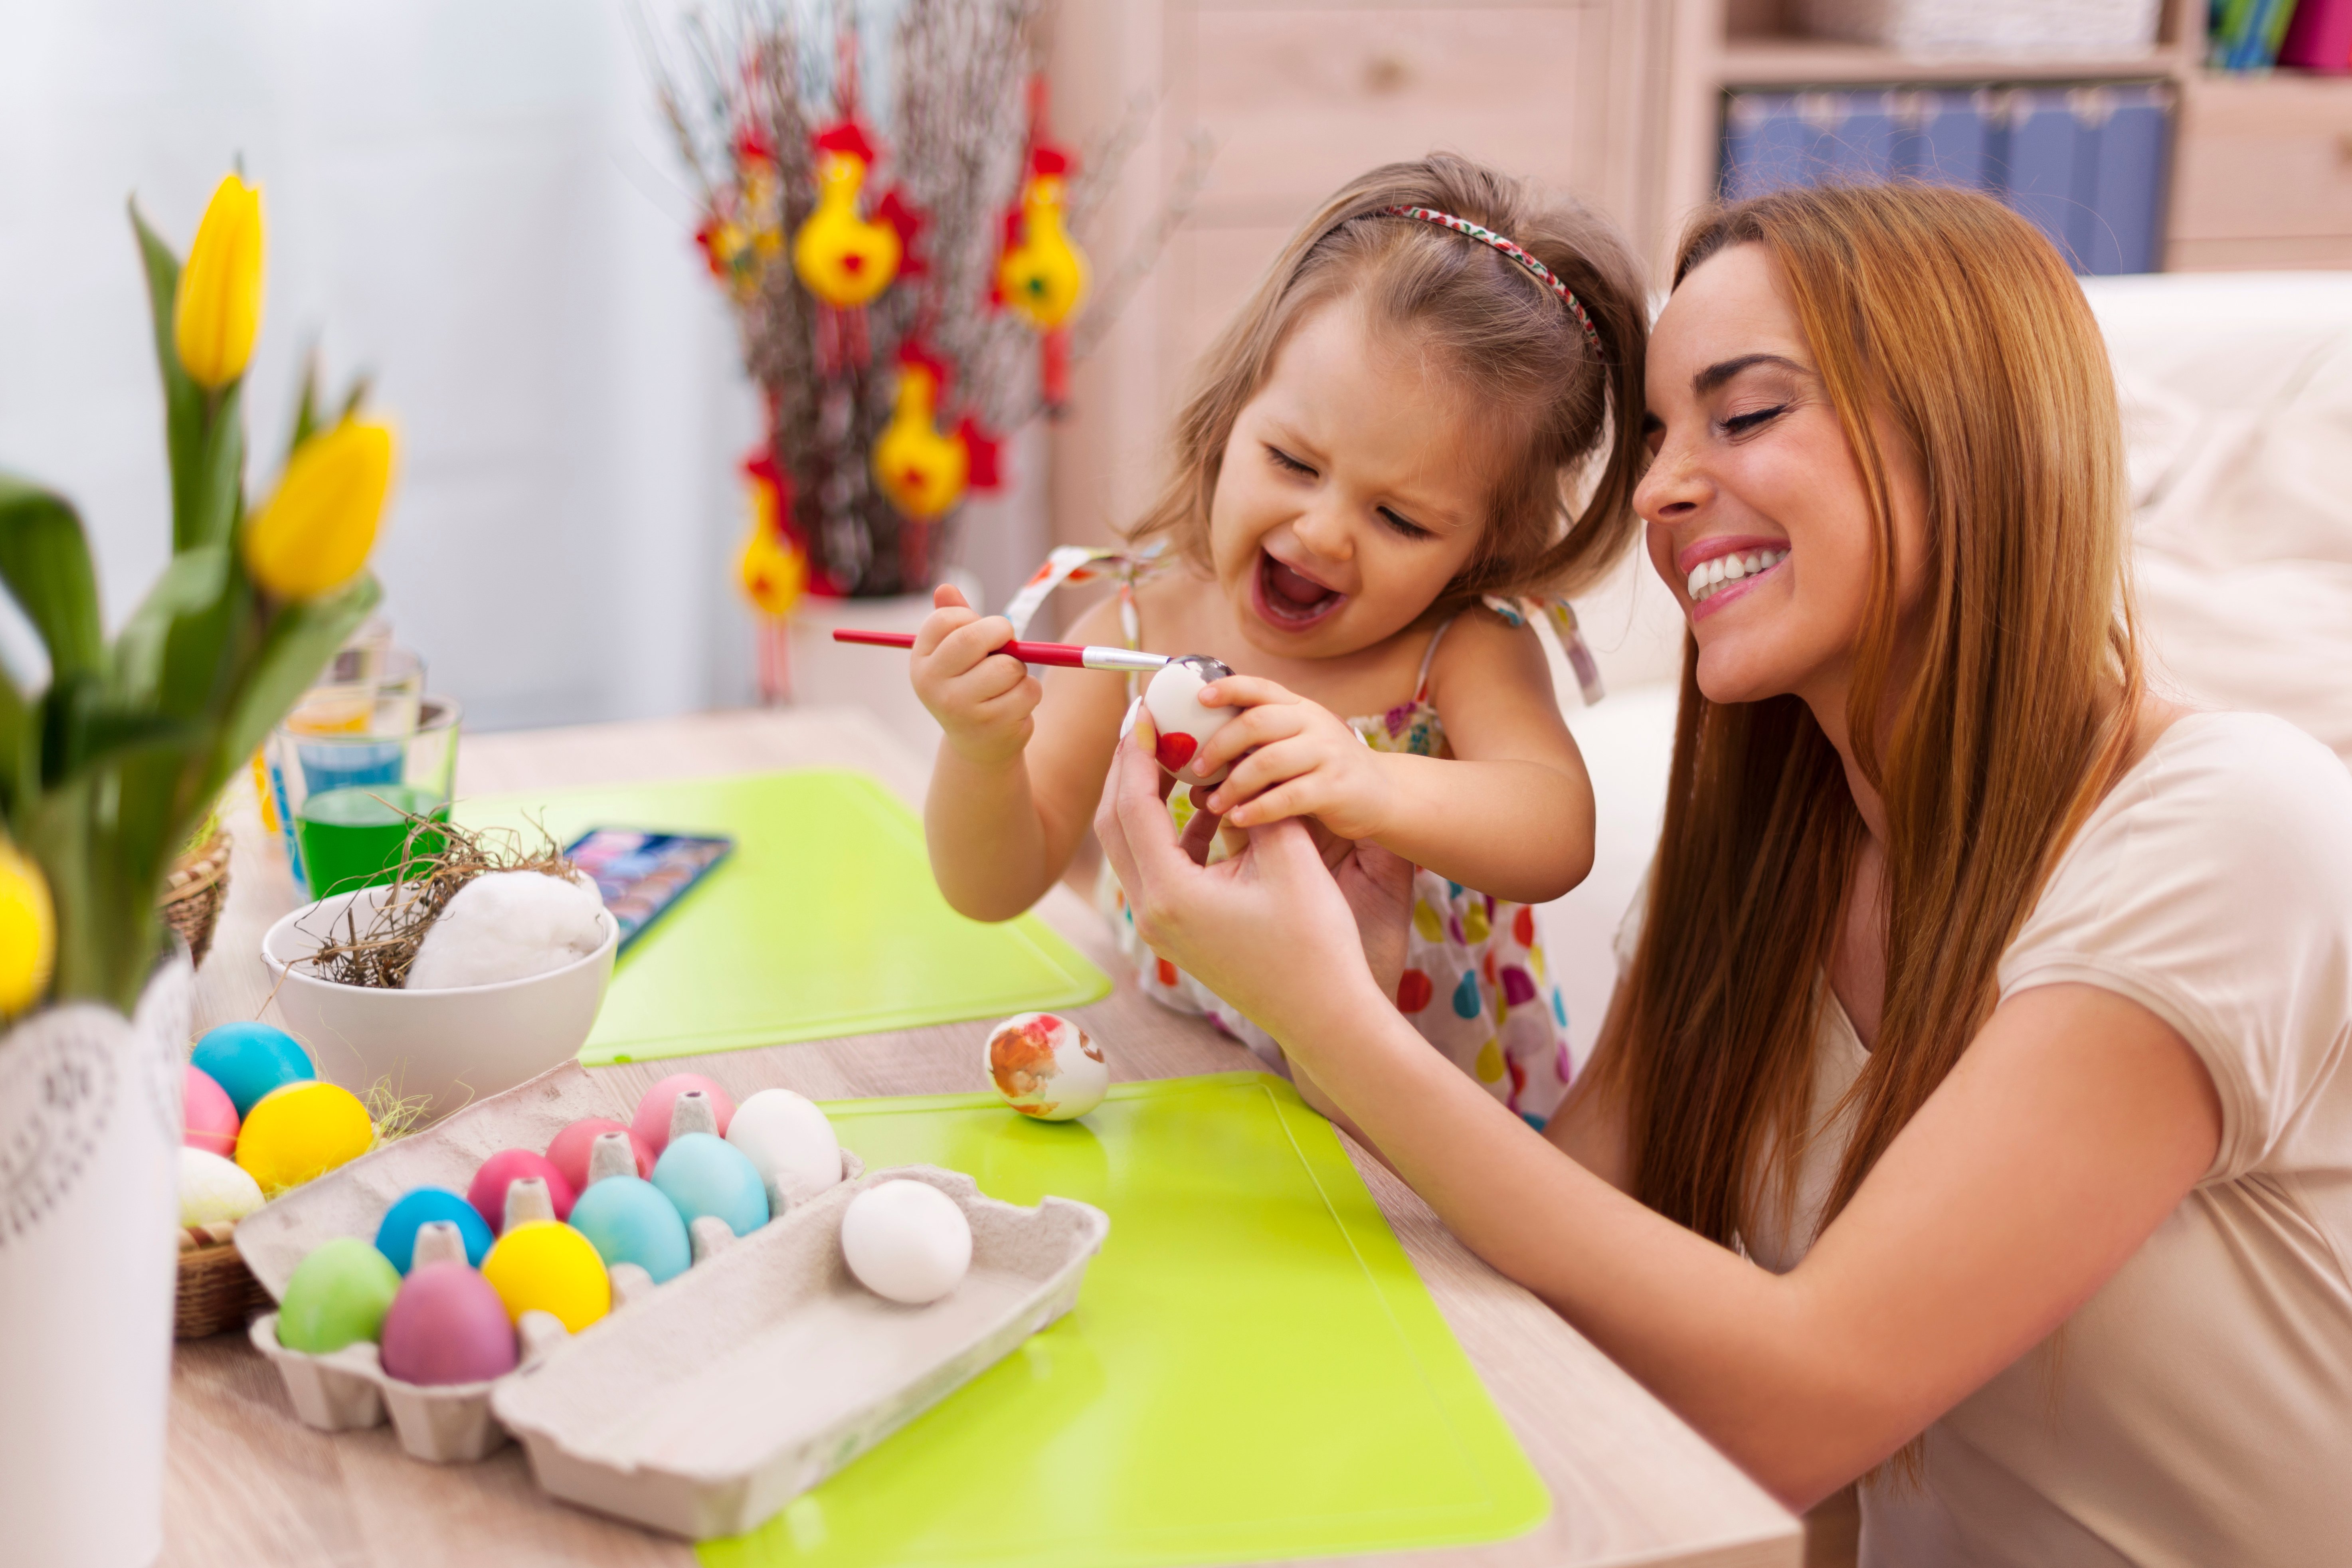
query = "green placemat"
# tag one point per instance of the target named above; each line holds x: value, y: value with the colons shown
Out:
x: 823, y: 921
x: 1254, y: 1369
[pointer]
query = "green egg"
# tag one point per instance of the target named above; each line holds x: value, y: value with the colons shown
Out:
x: 337, y: 1296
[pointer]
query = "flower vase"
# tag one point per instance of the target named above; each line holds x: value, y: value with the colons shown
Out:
x: 90, y: 1136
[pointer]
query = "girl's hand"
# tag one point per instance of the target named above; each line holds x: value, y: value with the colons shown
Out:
x: 1302, y: 761
x: 983, y: 698
x: 1271, y: 929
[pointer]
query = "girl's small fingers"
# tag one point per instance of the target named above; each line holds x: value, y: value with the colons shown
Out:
x: 1286, y: 800
x: 1245, y: 692
x: 1261, y: 771
x: 971, y: 643
x: 1252, y: 729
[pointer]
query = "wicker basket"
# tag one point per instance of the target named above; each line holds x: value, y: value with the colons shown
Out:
x: 195, y: 890
x: 217, y: 1291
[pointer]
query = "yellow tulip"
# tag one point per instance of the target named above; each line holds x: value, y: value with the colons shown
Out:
x: 28, y: 932
x: 313, y: 536
x: 218, y: 308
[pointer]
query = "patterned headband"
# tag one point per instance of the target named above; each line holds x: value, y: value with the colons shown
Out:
x: 1488, y: 235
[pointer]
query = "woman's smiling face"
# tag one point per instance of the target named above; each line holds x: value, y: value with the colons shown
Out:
x: 1354, y: 488
x: 1756, y: 510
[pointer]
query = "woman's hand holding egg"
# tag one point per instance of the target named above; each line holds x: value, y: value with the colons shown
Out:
x: 983, y: 698
x: 1290, y: 757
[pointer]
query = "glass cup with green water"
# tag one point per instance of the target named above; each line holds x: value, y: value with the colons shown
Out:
x: 356, y: 836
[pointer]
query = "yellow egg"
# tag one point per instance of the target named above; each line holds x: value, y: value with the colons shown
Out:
x: 300, y: 1131
x: 546, y: 1265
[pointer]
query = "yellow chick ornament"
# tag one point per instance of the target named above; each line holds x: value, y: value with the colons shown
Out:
x: 922, y: 470
x: 845, y: 259
x: 1042, y: 275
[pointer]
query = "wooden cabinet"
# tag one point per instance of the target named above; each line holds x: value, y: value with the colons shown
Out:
x: 2262, y: 174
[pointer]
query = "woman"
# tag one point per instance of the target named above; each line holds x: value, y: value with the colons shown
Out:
x: 1974, y: 1096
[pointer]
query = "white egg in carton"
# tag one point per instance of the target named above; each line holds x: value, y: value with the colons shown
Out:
x: 643, y: 1416
x: 347, y: 1389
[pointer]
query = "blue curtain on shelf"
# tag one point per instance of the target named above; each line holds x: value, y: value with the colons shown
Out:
x: 2085, y: 164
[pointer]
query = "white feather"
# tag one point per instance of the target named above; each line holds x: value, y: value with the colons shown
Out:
x: 507, y: 925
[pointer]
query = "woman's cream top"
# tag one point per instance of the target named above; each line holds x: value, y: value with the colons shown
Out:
x: 2198, y: 1409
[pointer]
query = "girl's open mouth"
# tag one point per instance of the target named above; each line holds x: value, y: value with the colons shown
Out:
x: 1290, y: 599
x: 1717, y: 581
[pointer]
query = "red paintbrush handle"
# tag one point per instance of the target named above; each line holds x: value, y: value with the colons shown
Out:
x: 1071, y: 655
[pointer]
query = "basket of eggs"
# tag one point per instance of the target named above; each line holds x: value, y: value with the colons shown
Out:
x: 260, y: 1121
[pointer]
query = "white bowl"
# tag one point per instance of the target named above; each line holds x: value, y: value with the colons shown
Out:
x: 454, y: 1046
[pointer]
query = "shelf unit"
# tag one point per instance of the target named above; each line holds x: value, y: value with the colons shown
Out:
x: 2262, y: 164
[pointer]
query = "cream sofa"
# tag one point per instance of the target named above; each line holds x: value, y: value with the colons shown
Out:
x: 2237, y: 395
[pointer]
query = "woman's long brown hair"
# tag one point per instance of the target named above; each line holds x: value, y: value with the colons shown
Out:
x: 1954, y: 321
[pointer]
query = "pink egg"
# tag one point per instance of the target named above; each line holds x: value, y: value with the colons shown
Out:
x: 447, y: 1325
x: 500, y: 1170
x: 209, y: 1113
x: 651, y: 1123
x: 569, y: 1152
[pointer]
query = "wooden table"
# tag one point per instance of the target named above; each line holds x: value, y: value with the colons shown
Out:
x: 249, y: 1485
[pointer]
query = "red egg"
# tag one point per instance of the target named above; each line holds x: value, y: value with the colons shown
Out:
x: 209, y: 1114
x: 446, y: 1325
x: 651, y: 1123
x: 500, y: 1170
x: 569, y: 1152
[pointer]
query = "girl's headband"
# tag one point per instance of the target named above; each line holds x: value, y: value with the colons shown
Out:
x: 1487, y: 235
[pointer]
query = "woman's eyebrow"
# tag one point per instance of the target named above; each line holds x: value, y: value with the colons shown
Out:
x: 1716, y: 375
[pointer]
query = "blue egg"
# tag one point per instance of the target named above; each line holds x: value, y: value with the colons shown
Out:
x: 629, y: 1221
x: 396, y: 1237
x: 250, y: 1060
x: 703, y: 1174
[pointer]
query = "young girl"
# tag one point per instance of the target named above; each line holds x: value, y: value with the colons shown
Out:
x: 1378, y: 446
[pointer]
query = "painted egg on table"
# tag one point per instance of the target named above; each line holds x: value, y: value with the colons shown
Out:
x: 545, y: 1266
x: 213, y: 1190
x: 569, y: 1152
x: 628, y: 1220
x: 337, y: 1296
x: 395, y: 1234
x: 1183, y: 726
x: 248, y: 1060
x: 906, y: 1241
x: 301, y: 1131
x: 788, y: 1140
x: 702, y: 1174
x: 502, y: 1170
x: 207, y: 1113
x: 651, y: 1122
x: 447, y: 1325
x: 1046, y: 1066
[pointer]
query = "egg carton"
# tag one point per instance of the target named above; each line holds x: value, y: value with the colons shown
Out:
x: 666, y: 1416
x: 348, y: 1389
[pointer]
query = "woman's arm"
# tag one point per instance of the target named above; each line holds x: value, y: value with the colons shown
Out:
x: 1002, y: 822
x: 1509, y: 812
x: 2074, y: 1124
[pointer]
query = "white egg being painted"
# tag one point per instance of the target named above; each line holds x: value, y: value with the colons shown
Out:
x: 1045, y: 1066
x: 906, y: 1241
x: 1183, y: 726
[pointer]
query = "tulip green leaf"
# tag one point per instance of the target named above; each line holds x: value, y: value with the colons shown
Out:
x: 192, y: 585
x: 45, y: 562
x: 301, y: 637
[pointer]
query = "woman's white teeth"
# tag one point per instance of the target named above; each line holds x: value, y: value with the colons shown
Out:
x: 1708, y: 576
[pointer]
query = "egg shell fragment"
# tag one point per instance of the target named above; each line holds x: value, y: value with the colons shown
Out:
x: 789, y: 1141
x: 570, y: 1151
x: 337, y: 1296
x: 1181, y: 724
x: 487, y: 1192
x: 301, y: 1131
x: 207, y: 1113
x: 447, y: 1325
x: 213, y: 1190
x: 1046, y: 1066
x: 652, y: 1120
x: 545, y: 1266
x: 906, y: 1241
x: 705, y: 1175
x: 629, y: 1220
x: 248, y: 1060
x: 395, y: 1234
